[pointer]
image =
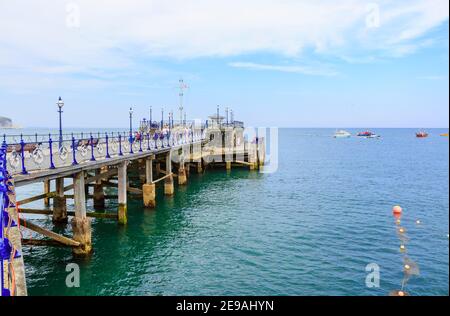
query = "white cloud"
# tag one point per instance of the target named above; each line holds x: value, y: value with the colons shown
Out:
x: 307, y: 70
x: 113, y: 35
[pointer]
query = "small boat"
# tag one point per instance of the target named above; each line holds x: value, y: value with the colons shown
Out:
x: 342, y: 134
x: 422, y: 134
x: 368, y: 134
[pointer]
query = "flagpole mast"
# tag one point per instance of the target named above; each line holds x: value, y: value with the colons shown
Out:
x: 182, y: 87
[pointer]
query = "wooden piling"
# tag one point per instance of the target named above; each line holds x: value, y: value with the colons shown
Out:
x: 168, y: 182
x: 158, y: 169
x: 81, y: 224
x: 122, y: 191
x: 187, y: 167
x: 199, y: 167
x: 99, y: 194
x: 149, y: 188
x: 47, y: 191
x: 59, y: 203
x: 182, y: 178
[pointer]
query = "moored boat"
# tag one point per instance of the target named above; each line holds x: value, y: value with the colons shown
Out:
x: 368, y: 134
x: 422, y: 134
x: 342, y: 134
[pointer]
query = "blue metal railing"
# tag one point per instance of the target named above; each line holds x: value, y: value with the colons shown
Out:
x: 25, y: 153
x: 3, y: 250
x: 6, y: 248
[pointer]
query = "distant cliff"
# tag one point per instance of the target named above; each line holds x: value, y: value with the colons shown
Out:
x: 5, y: 122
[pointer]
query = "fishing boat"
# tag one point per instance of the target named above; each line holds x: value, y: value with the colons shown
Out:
x: 368, y: 134
x: 422, y: 134
x: 342, y: 134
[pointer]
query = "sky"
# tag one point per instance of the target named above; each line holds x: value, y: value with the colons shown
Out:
x: 278, y: 63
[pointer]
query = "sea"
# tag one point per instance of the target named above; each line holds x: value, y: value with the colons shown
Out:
x: 319, y: 223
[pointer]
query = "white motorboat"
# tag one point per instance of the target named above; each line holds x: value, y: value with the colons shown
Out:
x: 342, y: 134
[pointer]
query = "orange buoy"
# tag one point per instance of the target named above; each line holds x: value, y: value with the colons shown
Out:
x: 397, y: 210
x: 398, y: 293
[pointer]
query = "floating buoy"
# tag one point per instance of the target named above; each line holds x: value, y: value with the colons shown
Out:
x: 410, y: 268
x: 402, y: 248
x: 401, y: 230
x: 398, y: 293
x: 418, y: 222
x: 397, y: 210
x: 398, y: 222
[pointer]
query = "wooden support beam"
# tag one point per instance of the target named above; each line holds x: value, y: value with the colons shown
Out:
x: 42, y: 243
x: 244, y: 163
x: 162, y: 178
x: 165, y: 172
x: 35, y: 211
x: 106, y: 175
x: 69, y: 213
x: 102, y: 176
x: 59, y: 238
x: 36, y: 198
x: 134, y: 190
x: 90, y: 196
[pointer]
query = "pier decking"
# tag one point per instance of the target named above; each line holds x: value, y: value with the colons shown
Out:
x: 98, y: 161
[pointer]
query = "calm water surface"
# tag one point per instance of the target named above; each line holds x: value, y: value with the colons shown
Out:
x: 308, y: 229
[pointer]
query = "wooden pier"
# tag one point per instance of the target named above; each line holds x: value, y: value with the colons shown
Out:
x: 108, y: 160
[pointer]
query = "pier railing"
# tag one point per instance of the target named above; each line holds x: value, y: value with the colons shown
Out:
x: 27, y: 153
x: 7, y: 253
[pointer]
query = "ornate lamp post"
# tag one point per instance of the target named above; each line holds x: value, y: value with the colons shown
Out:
x: 60, y: 105
x: 131, y: 124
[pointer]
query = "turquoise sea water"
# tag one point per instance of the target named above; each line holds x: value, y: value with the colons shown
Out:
x: 308, y: 229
